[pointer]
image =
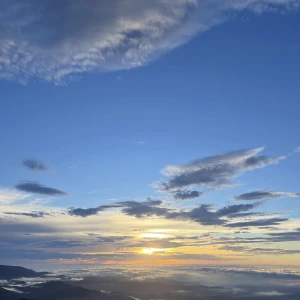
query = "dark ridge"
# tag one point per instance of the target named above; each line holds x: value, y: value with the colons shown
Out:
x: 13, y: 272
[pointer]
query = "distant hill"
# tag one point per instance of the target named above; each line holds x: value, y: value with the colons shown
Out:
x: 55, y: 290
x: 13, y: 272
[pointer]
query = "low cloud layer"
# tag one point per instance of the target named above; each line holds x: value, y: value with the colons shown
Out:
x: 36, y: 188
x: 57, y: 40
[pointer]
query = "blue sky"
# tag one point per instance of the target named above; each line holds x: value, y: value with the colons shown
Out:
x: 107, y: 135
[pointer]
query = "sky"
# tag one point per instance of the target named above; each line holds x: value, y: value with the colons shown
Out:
x: 149, y: 132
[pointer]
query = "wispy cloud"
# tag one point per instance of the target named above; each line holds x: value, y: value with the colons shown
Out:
x: 35, y: 165
x: 8, y: 196
x: 215, y: 171
x: 257, y: 223
x: 57, y: 40
x: 35, y: 214
x: 265, y: 195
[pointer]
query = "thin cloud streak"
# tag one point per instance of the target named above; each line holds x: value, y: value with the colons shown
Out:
x: 265, y: 195
x: 35, y: 165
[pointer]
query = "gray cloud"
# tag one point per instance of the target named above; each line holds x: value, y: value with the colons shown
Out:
x: 250, y: 214
x: 8, y: 253
x: 148, y: 208
x: 202, y: 214
x: 257, y: 223
x: 234, y: 209
x: 215, y: 171
x: 205, y: 216
x: 259, y: 250
x: 36, y: 214
x: 265, y: 195
x: 36, y: 188
x: 93, y: 240
x: 35, y: 165
x: 138, y: 209
x: 55, y: 40
x: 84, y: 212
x: 288, y: 236
x: 187, y: 195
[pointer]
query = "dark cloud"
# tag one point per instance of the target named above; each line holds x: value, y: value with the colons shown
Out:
x: 25, y: 228
x: 35, y: 165
x: 203, y: 214
x: 36, y: 188
x: 87, y: 212
x: 250, y: 214
x: 234, y: 209
x: 206, y: 216
x: 147, y: 208
x: 215, y: 171
x: 187, y: 195
x: 258, y: 223
x: 265, y: 195
x: 40, y: 255
x: 95, y: 240
x: 36, y: 214
x: 259, y: 250
x: 84, y: 212
x: 288, y: 236
x: 61, y: 244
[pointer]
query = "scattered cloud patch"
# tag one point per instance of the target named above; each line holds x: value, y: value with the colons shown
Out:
x: 215, y: 171
x: 37, y: 214
x: 265, y: 195
x: 8, y: 196
x: 35, y: 165
x: 288, y: 236
x: 257, y: 223
x: 203, y: 214
x: 187, y: 195
x: 147, y: 208
x: 277, y: 251
x: 36, y: 188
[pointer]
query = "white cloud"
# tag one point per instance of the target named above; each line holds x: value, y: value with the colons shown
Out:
x: 270, y: 294
x: 56, y: 40
x: 8, y: 196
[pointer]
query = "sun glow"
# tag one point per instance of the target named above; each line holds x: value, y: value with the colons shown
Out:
x: 153, y: 236
x: 152, y: 250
